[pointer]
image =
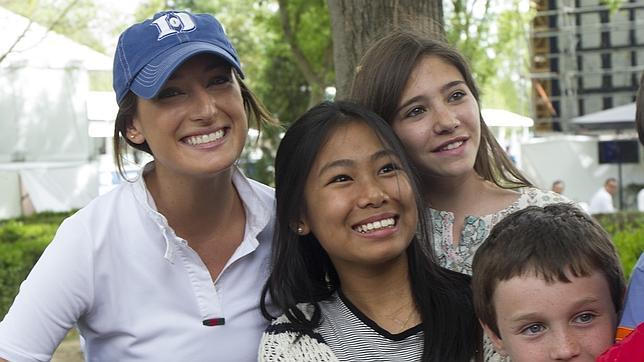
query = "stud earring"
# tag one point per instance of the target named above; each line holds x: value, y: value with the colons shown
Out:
x: 300, y: 230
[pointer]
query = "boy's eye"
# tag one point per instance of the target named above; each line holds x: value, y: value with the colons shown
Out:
x: 533, y: 329
x: 585, y: 318
x: 417, y: 110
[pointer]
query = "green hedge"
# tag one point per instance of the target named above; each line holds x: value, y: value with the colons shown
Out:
x: 627, y: 232
x: 23, y: 240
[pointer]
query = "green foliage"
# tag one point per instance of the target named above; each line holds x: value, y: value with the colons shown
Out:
x: 284, y: 86
x: 43, y: 218
x: 22, y: 241
x: 613, y: 5
x: 494, y: 36
x: 627, y: 232
x: 471, y: 34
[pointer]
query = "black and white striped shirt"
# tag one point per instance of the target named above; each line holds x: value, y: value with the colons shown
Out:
x: 354, y: 337
x: 345, y: 334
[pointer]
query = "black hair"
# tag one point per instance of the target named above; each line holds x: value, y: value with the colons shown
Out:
x: 302, y: 271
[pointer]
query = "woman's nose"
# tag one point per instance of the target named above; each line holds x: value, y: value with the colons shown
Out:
x: 446, y: 121
x: 372, y: 195
x: 204, y: 105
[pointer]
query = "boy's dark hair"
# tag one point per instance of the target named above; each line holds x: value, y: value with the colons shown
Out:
x: 302, y: 271
x: 548, y: 242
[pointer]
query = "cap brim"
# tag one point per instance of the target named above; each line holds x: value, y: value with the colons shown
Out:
x: 151, y: 78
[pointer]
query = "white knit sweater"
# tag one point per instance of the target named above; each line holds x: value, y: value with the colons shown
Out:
x: 280, y: 343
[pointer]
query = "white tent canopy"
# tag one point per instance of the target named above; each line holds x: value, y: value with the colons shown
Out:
x: 41, y: 48
x: 509, y: 129
x: 618, y: 117
x: 503, y: 118
x: 47, y: 159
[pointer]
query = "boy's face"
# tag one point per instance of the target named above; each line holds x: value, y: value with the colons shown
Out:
x: 554, y: 322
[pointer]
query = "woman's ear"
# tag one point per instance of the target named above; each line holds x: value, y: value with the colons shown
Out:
x: 133, y: 132
x: 300, y: 227
x: 496, y: 340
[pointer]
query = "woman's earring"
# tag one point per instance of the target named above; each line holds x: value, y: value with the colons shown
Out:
x: 300, y: 230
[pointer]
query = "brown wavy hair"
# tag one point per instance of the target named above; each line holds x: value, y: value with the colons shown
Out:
x: 382, y: 75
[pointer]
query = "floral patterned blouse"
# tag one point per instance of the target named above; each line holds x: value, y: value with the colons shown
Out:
x: 476, y: 229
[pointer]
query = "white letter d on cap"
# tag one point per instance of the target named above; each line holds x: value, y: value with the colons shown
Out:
x: 172, y: 23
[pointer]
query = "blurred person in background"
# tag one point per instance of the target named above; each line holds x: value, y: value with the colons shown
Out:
x: 558, y: 186
x: 602, y: 200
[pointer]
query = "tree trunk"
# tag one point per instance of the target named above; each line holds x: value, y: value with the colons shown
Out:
x: 356, y: 24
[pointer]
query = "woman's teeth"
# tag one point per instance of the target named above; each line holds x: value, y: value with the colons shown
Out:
x: 201, y: 139
x: 452, y: 146
x: 376, y: 225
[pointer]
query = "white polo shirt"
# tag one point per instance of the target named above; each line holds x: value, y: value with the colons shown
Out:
x: 601, y: 202
x: 137, y: 291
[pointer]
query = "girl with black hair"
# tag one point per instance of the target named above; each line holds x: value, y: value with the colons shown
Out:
x: 353, y: 272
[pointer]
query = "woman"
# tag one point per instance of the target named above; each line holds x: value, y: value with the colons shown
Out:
x: 424, y: 89
x: 351, y: 271
x: 171, y: 265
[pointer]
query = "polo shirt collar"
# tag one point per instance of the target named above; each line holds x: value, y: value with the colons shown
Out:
x: 258, y: 211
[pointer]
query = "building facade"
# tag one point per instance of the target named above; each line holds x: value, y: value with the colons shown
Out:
x: 586, y: 57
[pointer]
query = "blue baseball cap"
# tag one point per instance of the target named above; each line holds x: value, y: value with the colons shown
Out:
x: 149, y: 52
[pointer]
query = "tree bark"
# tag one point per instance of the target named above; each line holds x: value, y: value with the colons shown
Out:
x: 356, y: 24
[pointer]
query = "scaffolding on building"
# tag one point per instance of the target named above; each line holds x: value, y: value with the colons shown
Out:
x: 585, y: 58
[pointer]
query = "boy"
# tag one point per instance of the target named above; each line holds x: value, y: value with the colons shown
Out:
x: 548, y: 285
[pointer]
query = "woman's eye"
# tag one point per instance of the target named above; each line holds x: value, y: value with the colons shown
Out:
x: 218, y: 80
x: 456, y: 96
x: 585, y: 318
x: 416, y: 111
x: 533, y: 329
x: 339, y: 178
x: 390, y: 167
x: 168, y: 92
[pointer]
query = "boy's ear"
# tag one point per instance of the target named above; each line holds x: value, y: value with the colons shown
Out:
x: 497, y: 342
